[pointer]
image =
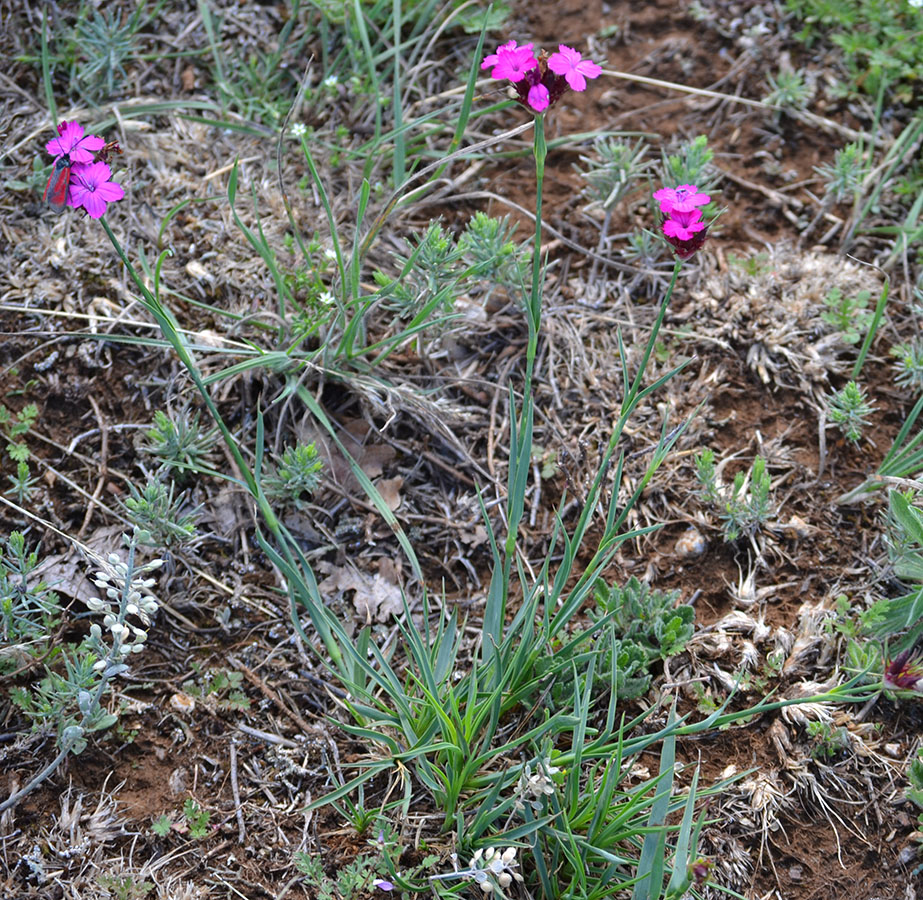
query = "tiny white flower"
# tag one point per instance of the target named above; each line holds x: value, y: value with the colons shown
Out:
x: 331, y: 81
x: 299, y: 130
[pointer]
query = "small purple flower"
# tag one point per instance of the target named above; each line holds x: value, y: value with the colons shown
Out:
x: 383, y: 885
x: 91, y: 188
x: 905, y: 672
x: 682, y: 223
x: 72, y: 142
x: 685, y: 198
x: 538, y: 97
x: 510, y: 62
x: 575, y: 69
x: 540, y: 81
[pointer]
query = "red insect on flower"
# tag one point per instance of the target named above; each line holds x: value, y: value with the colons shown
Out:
x: 70, y: 148
x: 56, y: 190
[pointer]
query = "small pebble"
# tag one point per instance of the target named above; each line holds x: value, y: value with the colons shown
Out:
x: 796, y: 873
x: 690, y: 543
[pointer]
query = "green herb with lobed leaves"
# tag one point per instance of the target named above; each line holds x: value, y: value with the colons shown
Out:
x: 850, y: 316
x: 218, y: 688
x: 13, y: 426
x: 880, y: 41
x: 198, y: 820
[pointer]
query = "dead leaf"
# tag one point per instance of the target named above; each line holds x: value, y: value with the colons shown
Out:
x: 375, y: 598
x: 68, y: 574
x: 390, y: 490
x: 474, y: 538
x: 361, y: 442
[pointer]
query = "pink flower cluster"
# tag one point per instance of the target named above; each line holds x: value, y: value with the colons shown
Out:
x: 540, y: 80
x: 682, y: 222
x: 80, y: 160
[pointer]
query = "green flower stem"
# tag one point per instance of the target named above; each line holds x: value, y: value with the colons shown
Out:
x: 520, y: 464
x: 516, y: 498
x: 540, y: 152
x: 632, y: 395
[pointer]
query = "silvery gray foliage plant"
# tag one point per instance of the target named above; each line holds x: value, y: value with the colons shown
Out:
x: 71, y: 701
x: 492, y: 870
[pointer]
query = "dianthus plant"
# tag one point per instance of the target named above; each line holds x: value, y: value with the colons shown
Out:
x: 81, y: 171
x: 540, y: 80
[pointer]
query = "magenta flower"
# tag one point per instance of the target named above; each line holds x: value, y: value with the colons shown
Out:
x: 72, y: 142
x: 684, y: 198
x: 510, y: 62
x: 905, y: 672
x: 682, y: 223
x: 91, y: 188
x: 575, y: 69
x: 538, y: 97
x: 540, y: 81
